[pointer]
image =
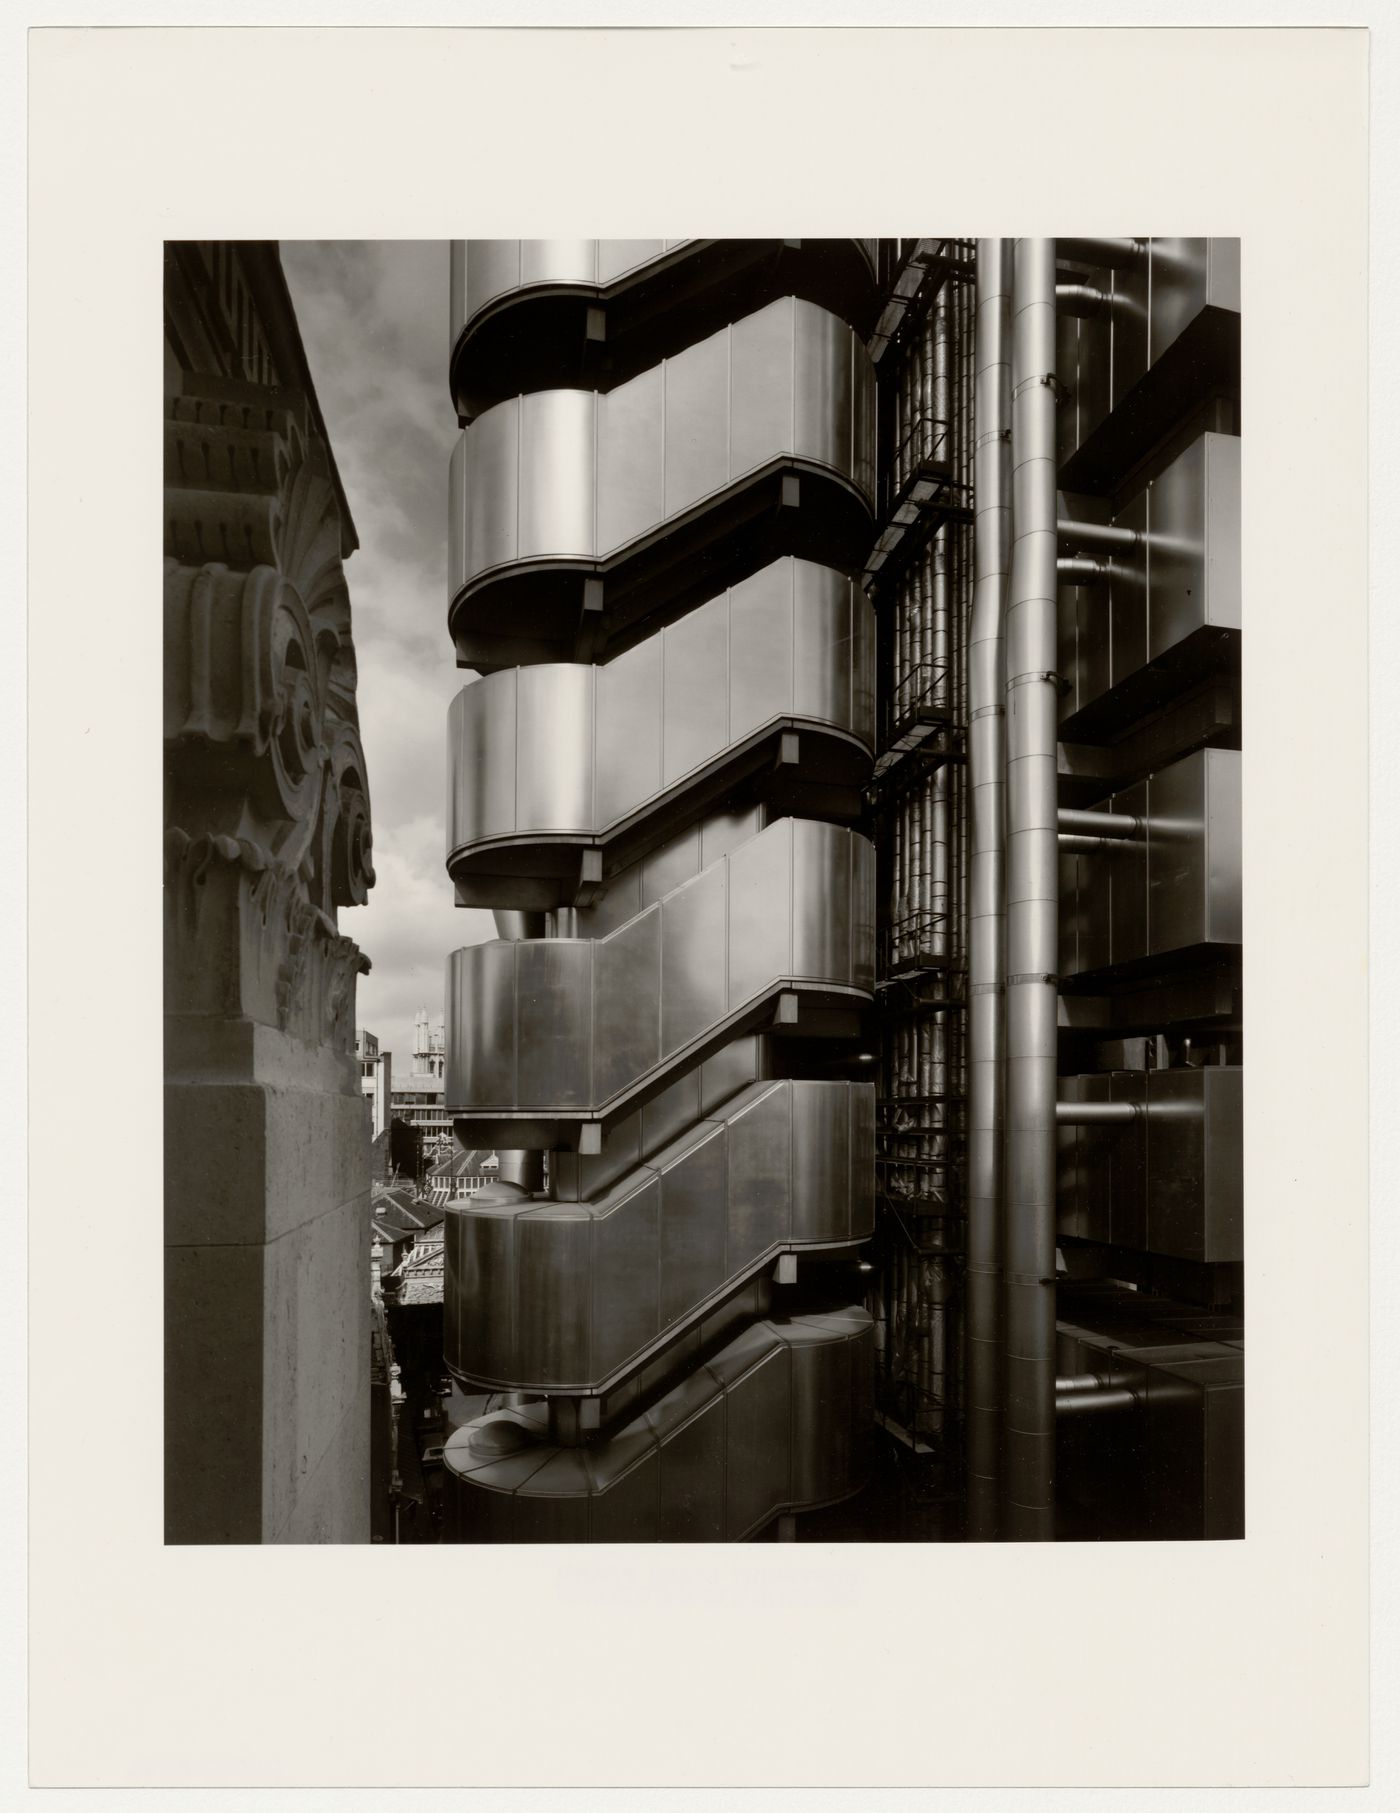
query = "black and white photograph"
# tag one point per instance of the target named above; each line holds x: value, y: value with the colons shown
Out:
x: 667, y: 907
x: 823, y: 1120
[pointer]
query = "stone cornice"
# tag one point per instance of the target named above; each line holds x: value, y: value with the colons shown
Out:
x: 267, y: 801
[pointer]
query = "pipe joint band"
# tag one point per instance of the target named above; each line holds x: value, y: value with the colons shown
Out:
x: 987, y: 711
x: 1031, y: 976
x: 1032, y: 679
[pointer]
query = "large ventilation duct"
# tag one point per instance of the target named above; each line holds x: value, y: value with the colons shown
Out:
x: 1032, y: 707
x: 986, y: 745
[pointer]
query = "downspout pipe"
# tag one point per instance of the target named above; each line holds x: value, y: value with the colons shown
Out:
x: 1032, y: 702
x: 986, y: 874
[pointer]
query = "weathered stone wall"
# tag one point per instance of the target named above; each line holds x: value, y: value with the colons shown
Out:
x: 267, y: 833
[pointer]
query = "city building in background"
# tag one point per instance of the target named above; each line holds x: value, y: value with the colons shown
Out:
x: 417, y: 1098
x: 376, y: 1071
x: 854, y: 775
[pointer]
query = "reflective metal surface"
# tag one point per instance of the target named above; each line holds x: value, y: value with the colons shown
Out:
x: 572, y: 475
x: 567, y: 751
x: 575, y: 1027
x: 571, y: 1296
x: 1032, y: 866
x: 489, y: 271
x: 778, y: 1420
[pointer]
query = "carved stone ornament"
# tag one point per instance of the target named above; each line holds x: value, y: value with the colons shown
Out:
x: 267, y: 805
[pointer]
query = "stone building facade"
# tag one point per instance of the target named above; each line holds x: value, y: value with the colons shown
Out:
x: 267, y: 835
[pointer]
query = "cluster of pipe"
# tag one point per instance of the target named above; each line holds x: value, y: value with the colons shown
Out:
x: 1013, y: 902
x: 923, y: 1059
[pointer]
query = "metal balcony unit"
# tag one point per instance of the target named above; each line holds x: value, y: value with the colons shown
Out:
x: 580, y: 520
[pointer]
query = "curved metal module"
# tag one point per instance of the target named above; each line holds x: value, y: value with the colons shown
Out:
x: 653, y: 787
x: 780, y: 1419
x: 545, y: 762
x: 754, y: 443
x: 573, y: 1296
x: 591, y: 313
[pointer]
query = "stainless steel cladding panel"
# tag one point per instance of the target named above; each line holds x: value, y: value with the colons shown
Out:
x: 1193, y: 858
x: 554, y: 728
x: 696, y: 452
x: 557, y: 441
x: 822, y: 1180
x: 692, y: 1462
x: 760, y: 1181
x: 628, y: 717
x: 822, y: 387
x: 1187, y: 276
x: 1127, y: 872
x: 1195, y: 1163
x: 631, y: 459
x: 761, y: 640
x: 554, y: 1033
x: 696, y: 708
x: 821, y: 1394
x: 1084, y: 367
x: 558, y: 260
x: 1096, y: 1162
x: 481, y: 751
x: 692, y: 1231
x: 760, y: 907
x: 693, y: 993
x: 1128, y: 1162
x: 616, y: 257
x: 862, y: 854
x: 1129, y: 319
x: 1127, y: 598
x: 480, y: 1031
x: 1224, y: 852
x: 758, y: 1475
x: 1069, y: 1196
x: 627, y: 1004
x: 1195, y: 543
x: 550, y: 1320
x: 760, y: 387
x: 1195, y: 1451
x: 489, y: 472
x: 821, y: 902
x: 626, y: 1311
x: 1072, y: 909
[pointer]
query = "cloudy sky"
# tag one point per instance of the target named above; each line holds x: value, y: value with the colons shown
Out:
x: 373, y: 315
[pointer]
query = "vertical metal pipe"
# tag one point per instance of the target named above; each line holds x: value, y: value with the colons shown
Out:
x: 986, y: 923
x: 1032, y: 906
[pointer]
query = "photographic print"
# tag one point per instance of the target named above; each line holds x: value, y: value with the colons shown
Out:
x: 788, y: 1084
